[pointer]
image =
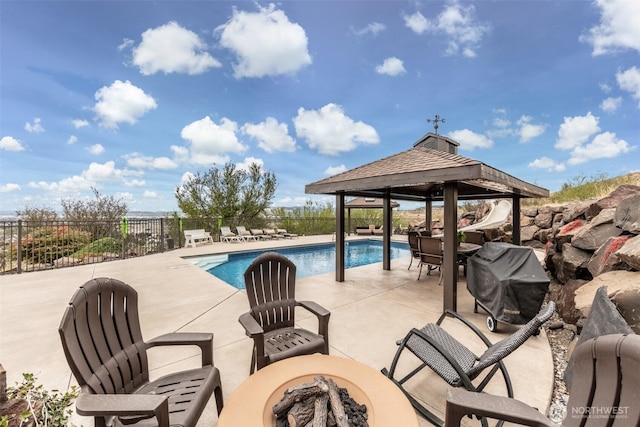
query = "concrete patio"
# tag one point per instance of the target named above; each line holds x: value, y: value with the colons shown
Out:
x: 369, y: 311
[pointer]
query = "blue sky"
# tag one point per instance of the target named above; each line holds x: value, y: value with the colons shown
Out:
x: 133, y: 97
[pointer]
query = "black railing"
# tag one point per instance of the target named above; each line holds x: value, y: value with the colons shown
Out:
x: 39, y: 245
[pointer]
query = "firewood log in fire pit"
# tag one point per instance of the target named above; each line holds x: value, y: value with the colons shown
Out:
x: 319, y: 403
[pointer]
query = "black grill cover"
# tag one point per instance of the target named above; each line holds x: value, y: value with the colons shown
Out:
x: 508, y: 281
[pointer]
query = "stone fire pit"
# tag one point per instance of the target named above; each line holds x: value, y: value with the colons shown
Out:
x: 252, y: 403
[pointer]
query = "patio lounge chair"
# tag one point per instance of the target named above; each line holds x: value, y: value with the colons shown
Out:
x: 272, y: 233
x: 244, y: 233
x: 226, y: 235
x: 454, y: 362
x: 605, y: 393
x: 260, y: 234
x: 430, y: 252
x: 270, y: 282
x: 102, y: 341
x: 283, y: 232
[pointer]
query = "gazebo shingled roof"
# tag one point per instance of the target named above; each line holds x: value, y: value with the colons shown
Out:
x: 430, y: 171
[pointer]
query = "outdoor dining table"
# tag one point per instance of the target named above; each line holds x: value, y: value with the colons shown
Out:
x: 252, y: 402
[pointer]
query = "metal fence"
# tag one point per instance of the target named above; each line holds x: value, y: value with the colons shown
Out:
x: 39, y: 245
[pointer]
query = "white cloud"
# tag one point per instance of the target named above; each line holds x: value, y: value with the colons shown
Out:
x: 501, y: 123
x: 209, y: 141
x: 135, y: 183
x: 95, y: 174
x: 180, y: 154
x: 137, y: 160
x: 547, y: 164
x: 333, y: 170
x: 36, y: 127
x: 271, y: 135
x: 575, y: 131
x: 121, y: 103
x: 470, y: 140
x: 373, y: 28
x: 618, y: 28
x: 265, y: 43
x: 605, y: 87
x: 527, y: 130
x: 72, y: 139
x: 391, y: 66
x: 629, y: 80
x: 172, y: 49
x: 417, y: 22
x: 126, y: 43
x: 604, y: 145
x: 186, y: 177
x: 99, y: 172
x: 150, y: 194
x: 248, y: 161
x: 96, y: 149
x: 458, y: 23
x: 9, y: 143
x: 611, y: 105
x: 331, y: 132
x: 79, y: 123
x: 9, y: 187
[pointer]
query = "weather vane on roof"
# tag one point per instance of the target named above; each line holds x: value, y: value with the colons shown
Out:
x: 435, y: 122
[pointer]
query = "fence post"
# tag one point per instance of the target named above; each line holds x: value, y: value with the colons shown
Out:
x: 124, y: 227
x: 162, y: 234
x: 19, y: 254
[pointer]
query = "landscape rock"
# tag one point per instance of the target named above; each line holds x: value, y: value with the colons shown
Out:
x: 627, y: 215
x: 565, y: 301
x: 606, y: 258
x: 575, y: 211
x: 616, y: 196
x: 530, y: 211
x: 590, y: 237
x: 604, y: 217
x: 615, y: 281
x: 630, y: 252
x: 543, y: 220
x: 567, y: 231
x: 573, y: 264
x: 628, y: 302
x: 528, y: 233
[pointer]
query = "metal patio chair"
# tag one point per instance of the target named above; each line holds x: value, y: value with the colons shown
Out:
x: 412, y: 237
x: 270, y: 282
x: 430, y: 252
x: 605, y: 393
x: 102, y: 341
x: 454, y: 362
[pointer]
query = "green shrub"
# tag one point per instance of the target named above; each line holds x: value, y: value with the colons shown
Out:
x: 46, y: 244
x: 99, y: 247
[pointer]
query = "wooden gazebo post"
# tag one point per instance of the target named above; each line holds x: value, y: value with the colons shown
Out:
x: 450, y: 252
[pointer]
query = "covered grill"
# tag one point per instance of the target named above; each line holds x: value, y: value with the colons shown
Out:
x: 508, y: 282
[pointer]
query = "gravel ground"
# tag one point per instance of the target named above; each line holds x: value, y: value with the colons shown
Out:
x: 559, y: 339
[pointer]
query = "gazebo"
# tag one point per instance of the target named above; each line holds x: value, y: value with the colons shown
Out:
x: 430, y: 171
x: 365, y: 203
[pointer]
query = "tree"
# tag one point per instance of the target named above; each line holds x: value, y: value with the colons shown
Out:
x: 228, y: 192
x: 37, y: 216
x: 100, y: 216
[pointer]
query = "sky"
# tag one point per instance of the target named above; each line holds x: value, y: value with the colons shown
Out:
x: 133, y: 98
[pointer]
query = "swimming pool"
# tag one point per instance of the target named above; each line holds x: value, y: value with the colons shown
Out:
x: 310, y: 260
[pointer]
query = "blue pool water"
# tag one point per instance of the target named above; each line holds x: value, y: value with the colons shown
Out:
x: 310, y: 260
